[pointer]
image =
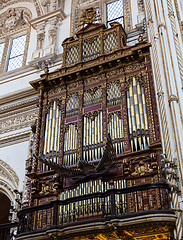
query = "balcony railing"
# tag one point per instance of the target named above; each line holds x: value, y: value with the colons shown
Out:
x: 114, y: 203
x: 7, y: 230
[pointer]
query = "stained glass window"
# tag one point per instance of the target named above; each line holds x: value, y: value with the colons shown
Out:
x: 1, y: 51
x: 115, y: 12
x: 16, y: 53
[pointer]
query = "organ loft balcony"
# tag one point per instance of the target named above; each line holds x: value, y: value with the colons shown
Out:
x: 102, y: 208
x: 97, y: 169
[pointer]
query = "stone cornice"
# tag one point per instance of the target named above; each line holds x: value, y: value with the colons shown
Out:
x: 22, y: 106
x: 58, y: 13
x: 15, y: 138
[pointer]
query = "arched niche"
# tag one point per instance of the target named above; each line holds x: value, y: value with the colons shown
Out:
x: 5, y: 205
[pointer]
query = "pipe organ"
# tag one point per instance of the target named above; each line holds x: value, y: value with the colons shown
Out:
x: 70, y: 145
x: 52, y: 133
x: 93, y: 204
x: 115, y: 128
x: 92, y: 136
x: 137, y: 115
x: 104, y: 150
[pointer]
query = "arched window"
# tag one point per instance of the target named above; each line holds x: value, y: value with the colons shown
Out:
x: 107, y: 11
x: 14, y: 35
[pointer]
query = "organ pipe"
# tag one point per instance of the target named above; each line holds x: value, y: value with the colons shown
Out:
x: 137, y: 116
x: 52, y: 132
x: 115, y: 128
x: 70, y: 145
x: 92, y: 136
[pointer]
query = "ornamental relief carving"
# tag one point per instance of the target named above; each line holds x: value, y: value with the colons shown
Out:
x: 17, y: 122
x: 13, y: 18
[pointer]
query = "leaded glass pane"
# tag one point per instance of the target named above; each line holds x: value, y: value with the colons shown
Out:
x: 16, y: 53
x: 115, y: 12
x: 1, y: 51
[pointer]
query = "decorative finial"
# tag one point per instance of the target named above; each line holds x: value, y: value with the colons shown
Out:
x: 88, y: 16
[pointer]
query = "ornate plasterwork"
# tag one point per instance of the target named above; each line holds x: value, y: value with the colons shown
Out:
x: 49, y: 5
x: 6, y: 3
x: 13, y: 18
x: 8, y: 173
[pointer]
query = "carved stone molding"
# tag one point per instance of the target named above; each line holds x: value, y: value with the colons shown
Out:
x: 14, y: 138
x: 53, y: 29
x: 18, y: 122
x: 7, y: 189
x: 44, y: 62
x: 8, y: 173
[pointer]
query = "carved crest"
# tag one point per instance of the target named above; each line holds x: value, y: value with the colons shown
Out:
x: 88, y: 16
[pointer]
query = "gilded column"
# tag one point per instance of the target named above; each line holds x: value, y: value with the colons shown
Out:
x: 38, y: 129
x: 62, y: 127
x: 104, y: 114
x: 80, y: 125
x: 127, y: 147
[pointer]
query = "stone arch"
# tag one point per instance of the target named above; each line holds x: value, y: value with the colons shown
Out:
x: 9, y: 180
